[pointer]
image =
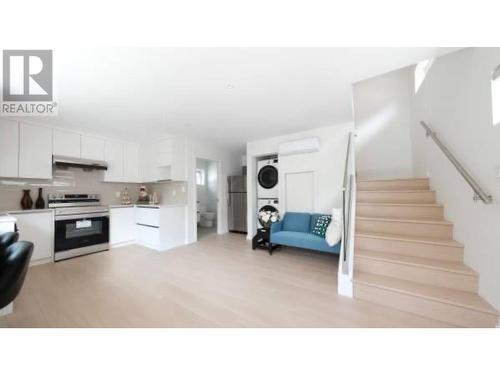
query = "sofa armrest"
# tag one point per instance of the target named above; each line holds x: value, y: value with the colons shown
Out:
x: 276, y: 227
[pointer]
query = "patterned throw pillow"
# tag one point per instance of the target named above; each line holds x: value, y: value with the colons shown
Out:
x: 321, y: 225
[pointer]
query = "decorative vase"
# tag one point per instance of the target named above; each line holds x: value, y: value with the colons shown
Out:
x: 26, y: 201
x: 40, y: 203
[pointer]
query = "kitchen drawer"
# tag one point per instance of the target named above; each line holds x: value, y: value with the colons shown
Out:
x: 148, y: 216
x: 148, y: 236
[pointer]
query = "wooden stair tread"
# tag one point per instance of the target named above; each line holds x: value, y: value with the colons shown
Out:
x: 406, y: 238
x: 399, y: 204
x: 459, y: 298
x: 395, y: 191
x: 442, y: 265
x: 395, y: 179
x: 404, y: 220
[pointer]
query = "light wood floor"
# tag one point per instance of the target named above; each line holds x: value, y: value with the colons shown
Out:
x: 217, y: 282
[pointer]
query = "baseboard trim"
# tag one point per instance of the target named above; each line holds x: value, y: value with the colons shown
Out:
x: 122, y: 244
x: 41, y: 261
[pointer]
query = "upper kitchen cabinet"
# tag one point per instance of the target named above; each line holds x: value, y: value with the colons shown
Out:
x: 35, y: 151
x: 131, y: 162
x: 113, y: 154
x: 66, y: 143
x: 167, y: 160
x: 9, y: 147
x: 93, y: 148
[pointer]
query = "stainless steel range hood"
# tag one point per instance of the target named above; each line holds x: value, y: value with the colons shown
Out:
x: 86, y: 164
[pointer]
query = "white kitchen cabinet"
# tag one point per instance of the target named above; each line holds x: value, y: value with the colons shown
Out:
x: 9, y: 148
x: 161, y: 228
x: 122, y: 225
x: 113, y: 154
x: 66, y: 143
x: 38, y: 228
x: 93, y: 148
x: 148, y: 236
x: 35, y: 151
x: 164, y: 160
x: 130, y: 162
x: 149, y: 216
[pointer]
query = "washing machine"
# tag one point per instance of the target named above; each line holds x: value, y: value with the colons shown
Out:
x: 267, y: 205
x: 267, y: 179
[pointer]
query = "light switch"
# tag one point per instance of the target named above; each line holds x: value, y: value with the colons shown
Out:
x: 117, y: 194
x: 174, y: 192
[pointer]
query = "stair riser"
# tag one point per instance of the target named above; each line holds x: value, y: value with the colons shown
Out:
x: 404, y: 228
x: 395, y: 197
x: 414, y: 249
x: 394, y: 185
x: 400, y: 212
x: 452, y: 280
x: 428, y: 308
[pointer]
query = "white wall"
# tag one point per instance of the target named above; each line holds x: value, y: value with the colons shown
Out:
x: 382, y: 123
x: 455, y: 100
x: 212, y: 184
x: 327, y: 166
x: 228, y: 164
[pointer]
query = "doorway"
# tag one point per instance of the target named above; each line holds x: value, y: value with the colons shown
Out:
x: 207, y: 197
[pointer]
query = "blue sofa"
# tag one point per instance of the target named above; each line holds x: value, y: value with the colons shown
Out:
x: 295, y: 229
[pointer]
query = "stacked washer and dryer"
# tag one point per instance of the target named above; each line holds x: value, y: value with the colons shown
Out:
x: 267, y: 184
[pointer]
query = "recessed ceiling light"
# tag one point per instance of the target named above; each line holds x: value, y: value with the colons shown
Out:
x: 229, y: 86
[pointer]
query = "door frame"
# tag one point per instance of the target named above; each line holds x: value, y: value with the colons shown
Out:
x: 220, y: 192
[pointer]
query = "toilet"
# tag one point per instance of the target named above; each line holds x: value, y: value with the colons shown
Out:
x: 207, y: 219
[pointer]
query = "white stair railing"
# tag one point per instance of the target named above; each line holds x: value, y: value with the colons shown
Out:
x: 346, y: 258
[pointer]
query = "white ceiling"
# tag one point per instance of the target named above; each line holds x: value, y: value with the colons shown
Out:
x: 226, y: 95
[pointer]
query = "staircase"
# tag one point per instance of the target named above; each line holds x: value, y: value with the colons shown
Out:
x: 405, y: 256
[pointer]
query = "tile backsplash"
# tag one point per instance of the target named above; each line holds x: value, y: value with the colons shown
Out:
x: 75, y: 180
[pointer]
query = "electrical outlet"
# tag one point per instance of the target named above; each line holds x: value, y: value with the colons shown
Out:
x: 174, y: 192
x: 117, y: 194
x: 183, y: 189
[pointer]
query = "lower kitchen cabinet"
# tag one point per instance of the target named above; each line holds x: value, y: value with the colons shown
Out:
x: 161, y: 228
x: 37, y: 227
x: 122, y: 225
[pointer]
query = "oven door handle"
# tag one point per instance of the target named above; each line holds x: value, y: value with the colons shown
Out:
x: 82, y: 216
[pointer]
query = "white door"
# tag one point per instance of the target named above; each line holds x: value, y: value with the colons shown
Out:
x: 35, y: 151
x: 113, y: 153
x: 9, y: 148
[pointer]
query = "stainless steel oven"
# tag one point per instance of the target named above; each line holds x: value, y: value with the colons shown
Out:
x: 81, y: 225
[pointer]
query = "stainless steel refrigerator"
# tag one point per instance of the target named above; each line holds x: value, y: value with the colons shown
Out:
x: 237, y: 203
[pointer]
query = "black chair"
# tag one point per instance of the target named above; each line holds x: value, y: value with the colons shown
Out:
x: 6, y: 240
x: 14, y: 261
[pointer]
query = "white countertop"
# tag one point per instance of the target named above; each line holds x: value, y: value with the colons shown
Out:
x: 30, y: 211
x: 6, y: 218
x: 147, y: 205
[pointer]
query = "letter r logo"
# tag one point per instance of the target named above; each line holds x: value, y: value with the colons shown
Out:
x: 27, y: 75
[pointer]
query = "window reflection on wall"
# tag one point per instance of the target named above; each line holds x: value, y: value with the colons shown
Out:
x: 421, y: 70
x: 495, y: 95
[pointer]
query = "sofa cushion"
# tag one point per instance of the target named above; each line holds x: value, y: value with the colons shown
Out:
x: 303, y: 240
x: 297, y: 222
x: 320, y: 225
x: 288, y: 238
